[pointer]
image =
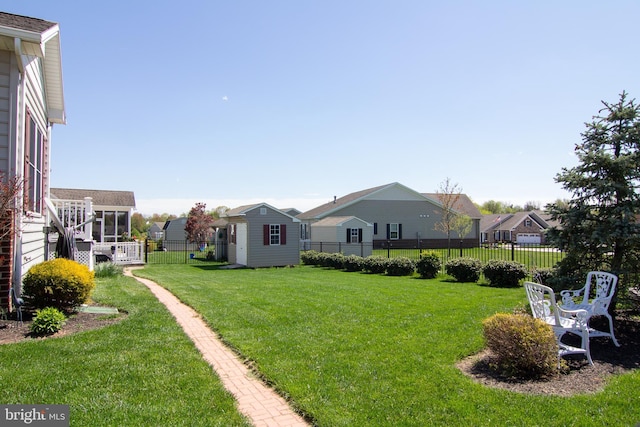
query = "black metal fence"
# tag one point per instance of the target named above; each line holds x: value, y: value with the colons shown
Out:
x: 182, y: 252
x: 531, y: 256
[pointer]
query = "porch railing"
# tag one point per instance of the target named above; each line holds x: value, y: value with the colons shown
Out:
x: 122, y: 253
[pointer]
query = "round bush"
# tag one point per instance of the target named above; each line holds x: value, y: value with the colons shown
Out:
x: 523, y: 346
x: 464, y: 269
x: 59, y: 283
x: 375, y: 264
x: 352, y: 263
x: 429, y: 265
x: 309, y: 257
x: 48, y: 320
x: 400, y: 266
x: 504, y: 273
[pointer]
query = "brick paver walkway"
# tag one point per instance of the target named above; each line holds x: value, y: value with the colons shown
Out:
x: 261, y: 404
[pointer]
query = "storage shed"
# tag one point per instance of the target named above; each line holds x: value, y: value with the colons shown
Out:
x: 346, y: 234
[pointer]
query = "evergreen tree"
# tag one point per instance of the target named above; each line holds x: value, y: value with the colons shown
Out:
x: 599, y: 224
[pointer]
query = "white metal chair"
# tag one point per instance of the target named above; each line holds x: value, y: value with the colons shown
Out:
x: 594, y: 297
x: 542, y: 300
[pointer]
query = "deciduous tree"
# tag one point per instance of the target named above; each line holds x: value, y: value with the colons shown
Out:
x: 198, y: 226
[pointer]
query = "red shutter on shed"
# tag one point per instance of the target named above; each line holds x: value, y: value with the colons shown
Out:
x: 266, y: 236
x: 283, y: 234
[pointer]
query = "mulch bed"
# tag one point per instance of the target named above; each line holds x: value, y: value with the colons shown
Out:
x: 12, y: 331
x: 581, y: 378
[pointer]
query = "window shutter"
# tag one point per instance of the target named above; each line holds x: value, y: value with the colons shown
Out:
x: 388, y: 231
x: 348, y: 235
x: 359, y: 235
x: 266, y: 238
x: 375, y: 228
x: 399, y: 231
x: 283, y: 234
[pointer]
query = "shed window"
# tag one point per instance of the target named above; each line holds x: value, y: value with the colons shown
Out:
x: 274, y: 234
x: 354, y: 235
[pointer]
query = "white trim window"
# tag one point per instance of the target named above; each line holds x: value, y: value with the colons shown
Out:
x: 394, y: 231
x: 274, y: 234
x: 34, y: 165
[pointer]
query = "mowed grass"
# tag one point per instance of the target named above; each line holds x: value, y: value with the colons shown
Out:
x: 352, y: 349
x: 142, y: 371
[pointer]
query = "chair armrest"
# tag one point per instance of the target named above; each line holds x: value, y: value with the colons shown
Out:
x: 580, y: 315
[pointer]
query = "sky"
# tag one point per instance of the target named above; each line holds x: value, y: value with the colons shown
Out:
x: 293, y: 102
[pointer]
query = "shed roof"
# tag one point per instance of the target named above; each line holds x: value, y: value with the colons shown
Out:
x: 333, y: 221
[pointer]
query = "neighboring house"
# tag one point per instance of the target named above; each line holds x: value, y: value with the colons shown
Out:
x: 156, y: 231
x: 262, y: 236
x: 31, y: 102
x: 519, y: 227
x: 401, y: 217
x: 112, y: 209
x: 346, y: 234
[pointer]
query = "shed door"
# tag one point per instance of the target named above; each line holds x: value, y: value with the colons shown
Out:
x: 241, y: 244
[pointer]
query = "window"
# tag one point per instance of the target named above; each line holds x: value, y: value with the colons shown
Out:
x: 354, y: 235
x: 394, y: 231
x: 274, y: 234
x: 35, y: 158
x: 232, y: 234
x: 527, y: 222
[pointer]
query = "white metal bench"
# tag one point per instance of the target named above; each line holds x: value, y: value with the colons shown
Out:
x: 543, y: 304
x: 594, y: 297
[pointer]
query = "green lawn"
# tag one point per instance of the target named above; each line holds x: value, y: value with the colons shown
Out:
x: 352, y: 349
x: 143, y: 371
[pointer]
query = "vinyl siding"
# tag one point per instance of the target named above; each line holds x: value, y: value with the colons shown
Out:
x: 5, y: 109
x: 261, y: 255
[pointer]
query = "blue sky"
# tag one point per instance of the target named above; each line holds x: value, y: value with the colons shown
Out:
x: 293, y: 102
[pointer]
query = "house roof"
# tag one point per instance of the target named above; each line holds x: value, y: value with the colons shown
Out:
x: 321, y: 211
x: 344, y: 201
x: 100, y: 197
x: 332, y: 221
x: 37, y: 37
x: 510, y: 221
x: 242, y: 211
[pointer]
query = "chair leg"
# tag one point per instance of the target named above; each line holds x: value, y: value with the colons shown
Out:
x: 585, y: 345
x: 613, y: 337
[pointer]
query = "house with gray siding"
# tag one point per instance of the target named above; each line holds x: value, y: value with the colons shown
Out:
x: 401, y: 217
x: 260, y: 235
x: 31, y: 102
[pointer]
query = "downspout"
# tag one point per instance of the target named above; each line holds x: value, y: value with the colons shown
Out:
x: 19, y: 138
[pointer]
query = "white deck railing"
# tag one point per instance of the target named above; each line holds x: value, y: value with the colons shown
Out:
x: 122, y: 253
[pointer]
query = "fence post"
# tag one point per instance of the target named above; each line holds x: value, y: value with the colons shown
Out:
x: 146, y: 251
x: 388, y: 249
x: 513, y: 251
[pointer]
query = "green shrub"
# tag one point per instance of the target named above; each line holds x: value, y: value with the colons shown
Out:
x: 59, y: 283
x: 464, y: 269
x: 522, y: 346
x: 309, y: 257
x: 400, y: 266
x: 107, y: 269
x: 47, y: 321
x: 353, y: 263
x: 503, y: 273
x: 375, y: 264
x: 429, y: 265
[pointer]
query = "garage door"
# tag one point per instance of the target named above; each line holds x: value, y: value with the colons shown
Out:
x: 527, y: 238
